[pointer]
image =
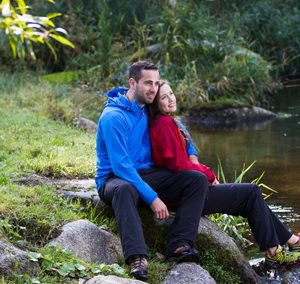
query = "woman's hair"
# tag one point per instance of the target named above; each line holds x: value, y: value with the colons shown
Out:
x: 153, y: 108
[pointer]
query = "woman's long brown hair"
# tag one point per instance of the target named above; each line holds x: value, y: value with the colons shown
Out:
x: 155, y: 112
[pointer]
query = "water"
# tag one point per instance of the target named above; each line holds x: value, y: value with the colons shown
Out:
x: 275, y: 147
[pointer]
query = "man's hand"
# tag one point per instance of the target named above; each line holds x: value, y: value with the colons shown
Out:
x: 159, y: 209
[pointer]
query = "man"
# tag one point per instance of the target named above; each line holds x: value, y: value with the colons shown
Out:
x: 125, y: 175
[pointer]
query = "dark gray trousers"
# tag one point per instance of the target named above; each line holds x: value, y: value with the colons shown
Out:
x: 190, y: 190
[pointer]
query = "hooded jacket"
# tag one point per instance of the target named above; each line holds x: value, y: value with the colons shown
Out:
x: 123, y: 143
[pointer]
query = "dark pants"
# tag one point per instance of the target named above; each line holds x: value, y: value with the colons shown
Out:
x: 190, y: 190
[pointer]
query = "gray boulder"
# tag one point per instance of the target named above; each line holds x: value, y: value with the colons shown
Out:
x: 291, y: 277
x: 14, y: 261
x: 210, y: 236
x: 86, y: 124
x: 187, y: 273
x: 89, y: 243
x: 71, y: 189
x: 222, y: 116
x: 110, y: 279
x: 81, y: 189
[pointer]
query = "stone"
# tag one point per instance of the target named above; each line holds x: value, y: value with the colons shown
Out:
x: 86, y: 124
x: 221, y: 116
x: 110, y: 279
x: 15, y: 261
x: 210, y: 236
x: 71, y: 189
x: 89, y: 242
x: 83, y: 190
x: 187, y: 273
x: 291, y: 277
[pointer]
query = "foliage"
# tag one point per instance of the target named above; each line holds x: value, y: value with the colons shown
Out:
x: 220, y: 51
x: 24, y: 30
x: 273, y: 29
x: 63, y: 265
x: 236, y: 226
x: 243, y: 75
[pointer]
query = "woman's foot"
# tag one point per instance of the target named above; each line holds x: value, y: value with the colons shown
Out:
x: 296, y: 245
x: 282, y: 258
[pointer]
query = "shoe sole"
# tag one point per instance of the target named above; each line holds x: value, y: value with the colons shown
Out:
x: 297, y: 249
x: 280, y: 266
x: 140, y: 277
x: 184, y: 258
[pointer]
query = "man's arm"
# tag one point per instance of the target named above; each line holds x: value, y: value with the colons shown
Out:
x: 114, y: 133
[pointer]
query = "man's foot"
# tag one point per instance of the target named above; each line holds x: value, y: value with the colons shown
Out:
x: 283, y: 258
x: 184, y: 253
x: 296, y: 246
x: 139, y: 267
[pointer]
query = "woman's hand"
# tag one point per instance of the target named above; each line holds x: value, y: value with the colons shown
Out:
x: 194, y: 159
x: 159, y: 209
x: 215, y: 182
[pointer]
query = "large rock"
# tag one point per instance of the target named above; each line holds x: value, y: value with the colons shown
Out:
x: 86, y: 124
x: 187, y: 273
x: 110, y: 279
x: 71, y: 189
x: 212, y: 237
x: 291, y: 277
x: 14, y: 261
x: 89, y: 243
x: 230, y: 117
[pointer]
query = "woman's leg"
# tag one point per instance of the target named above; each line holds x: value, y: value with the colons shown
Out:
x: 246, y: 200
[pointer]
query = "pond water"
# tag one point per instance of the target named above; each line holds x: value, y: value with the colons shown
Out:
x: 274, y: 146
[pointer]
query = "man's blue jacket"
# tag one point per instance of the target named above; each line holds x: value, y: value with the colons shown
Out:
x: 123, y: 143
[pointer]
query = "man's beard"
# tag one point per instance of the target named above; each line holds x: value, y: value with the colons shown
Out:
x: 143, y: 99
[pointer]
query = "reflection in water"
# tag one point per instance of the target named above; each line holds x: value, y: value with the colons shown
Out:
x: 275, y: 148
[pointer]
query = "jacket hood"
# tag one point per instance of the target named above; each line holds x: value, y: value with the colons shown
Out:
x: 116, y: 97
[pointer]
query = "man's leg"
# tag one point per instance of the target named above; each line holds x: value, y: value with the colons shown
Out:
x: 123, y: 197
x: 246, y: 200
x: 189, y: 189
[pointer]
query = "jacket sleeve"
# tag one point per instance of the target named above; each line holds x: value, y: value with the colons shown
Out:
x: 114, y: 133
x: 191, y: 149
x: 172, y: 149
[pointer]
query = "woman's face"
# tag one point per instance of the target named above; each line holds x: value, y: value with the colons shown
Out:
x: 166, y: 100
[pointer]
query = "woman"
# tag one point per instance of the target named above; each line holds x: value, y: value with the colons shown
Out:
x: 172, y: 147
x: 176, y: 150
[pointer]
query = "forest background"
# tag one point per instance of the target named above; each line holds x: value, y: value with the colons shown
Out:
x: 211, y: 51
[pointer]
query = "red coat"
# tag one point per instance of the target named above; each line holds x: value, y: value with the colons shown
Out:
x: 169, y: 149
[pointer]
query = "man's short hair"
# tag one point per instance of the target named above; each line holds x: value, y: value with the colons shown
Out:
x: 136, y: 68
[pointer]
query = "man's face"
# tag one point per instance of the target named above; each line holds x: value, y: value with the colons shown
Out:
x: 147, y: 87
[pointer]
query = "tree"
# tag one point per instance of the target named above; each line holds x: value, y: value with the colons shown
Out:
x: 23, y: 30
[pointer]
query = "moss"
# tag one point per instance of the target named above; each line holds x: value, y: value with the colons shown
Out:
x: 219, y: 105
x: 210, y: 261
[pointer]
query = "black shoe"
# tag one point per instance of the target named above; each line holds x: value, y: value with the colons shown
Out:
x: 139, y: 267
x: 184, y: 254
